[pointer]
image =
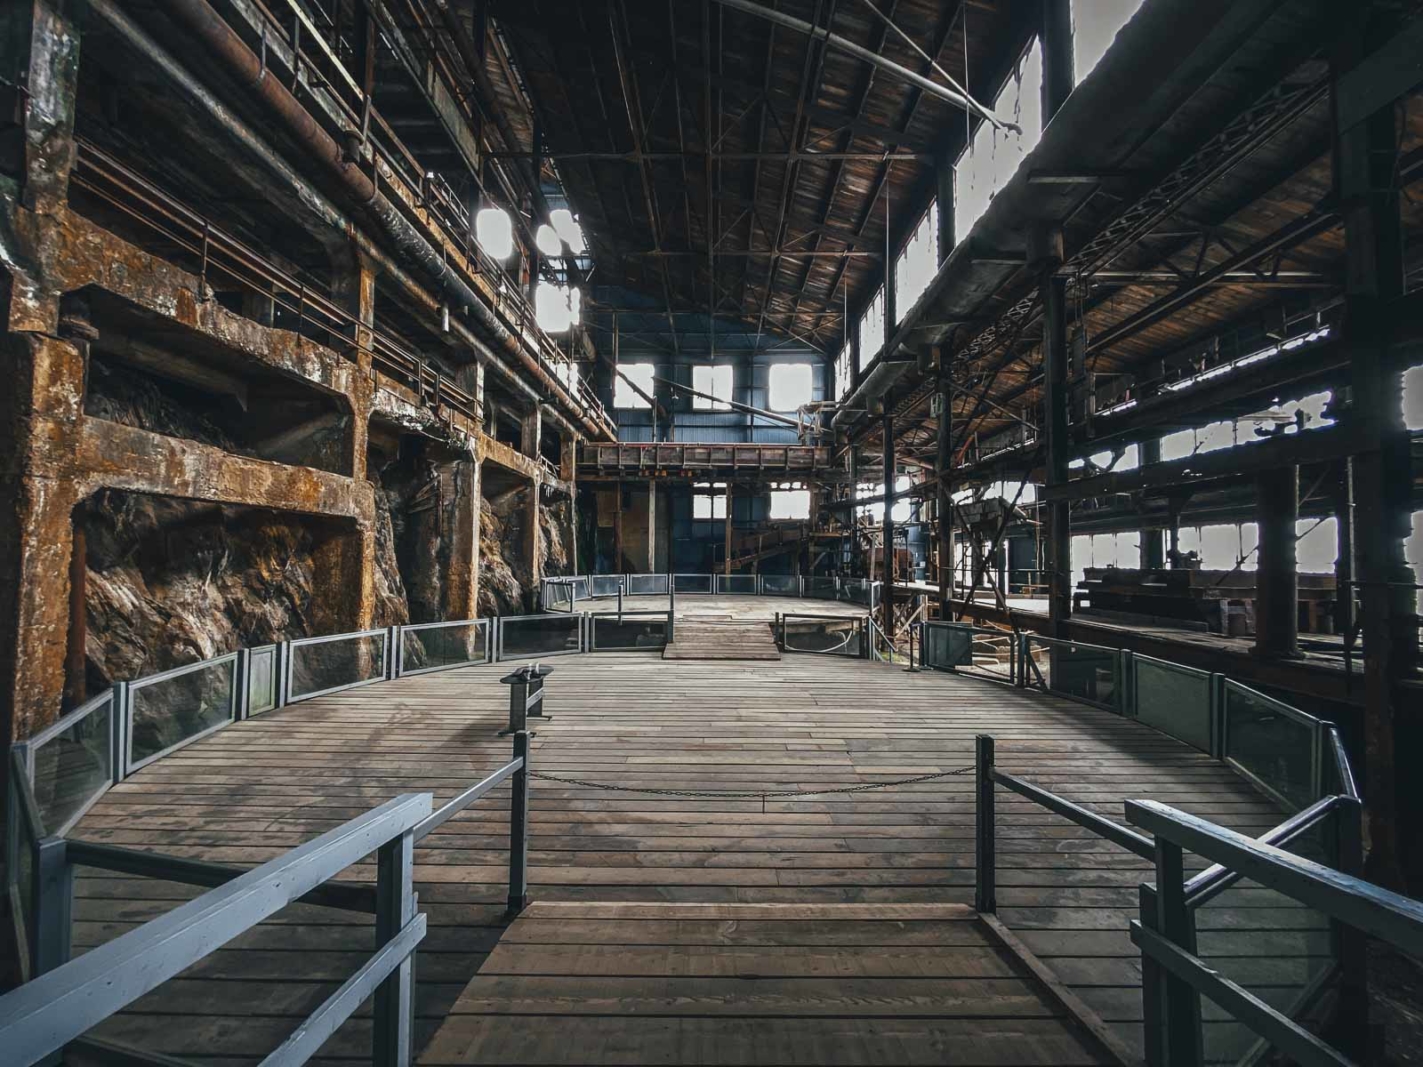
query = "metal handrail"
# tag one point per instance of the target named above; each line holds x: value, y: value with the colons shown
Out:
x: 42, y: 1016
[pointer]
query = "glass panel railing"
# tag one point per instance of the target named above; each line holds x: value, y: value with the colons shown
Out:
x: 73, y: 763
x: 741, y: 584
x: 23, y: 831
x: 824, y: 634
x: 318, y: 665
x: 1089, y: 673
x: 780, y: 585
x: 1178, y: 701
x: 264, y: 666
x: 1273, y: 744
x: 647, y: 585
x: 439, y: 646
x: 522, y: 636
x: 557, y: 595
x: 692, y: 583
x: 967, y: 649
x: 629, y: 631
x: 856, y: 591
x: 821, y: 588
x: 172, y: 708
x: 604, y: 584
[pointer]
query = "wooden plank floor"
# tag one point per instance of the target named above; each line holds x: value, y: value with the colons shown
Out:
x: 711, y: 638
x: 754, y: 983
x: 247, y: 793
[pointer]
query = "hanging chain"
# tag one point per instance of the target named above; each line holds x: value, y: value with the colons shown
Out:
x: 757, y: 794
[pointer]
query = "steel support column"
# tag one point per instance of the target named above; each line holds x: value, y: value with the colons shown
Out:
x: 1366, y: 179
x: 887, y: 555
x: 1059, y: 532
x: 944, y: 501
x: 1153, y: 541
x: 1276, y: 579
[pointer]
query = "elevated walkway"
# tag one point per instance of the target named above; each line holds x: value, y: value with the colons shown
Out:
x: 712, y: 638
x: 588, y: 983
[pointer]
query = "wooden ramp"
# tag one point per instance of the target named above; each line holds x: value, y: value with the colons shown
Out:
x: 755, y: 984
x: 699, y: 638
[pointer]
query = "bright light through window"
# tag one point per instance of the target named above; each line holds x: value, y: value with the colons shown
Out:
x: 548, y: 241
x: 709, y: 500
x: 494, y: 232
x: 875, y: 510
x: 994, y: 155
x: 1413, y: 398
x: 790, y: 502
x: 624, y: 396
x: 568, y: 229
x: 872, y: 329
x: 916, y: 265
x: 715, y: 381
x: 1094, y: 27
x: 557, y: 307
x: 843, y: 372
x: 790, y: 386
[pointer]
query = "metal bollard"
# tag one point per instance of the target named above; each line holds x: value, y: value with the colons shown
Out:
x: 526, y: 695
x: 519, y: 829
x: 985, y: 896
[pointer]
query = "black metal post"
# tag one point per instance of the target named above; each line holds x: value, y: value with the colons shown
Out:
x: 887, y: 556
x: 1153, y: 991
x: 519, y: 828
x: 1351, y: 946
x: 1276, y: 580
x: 1182, y: 1007
x: 985, y: 894
x: 393, y: 1007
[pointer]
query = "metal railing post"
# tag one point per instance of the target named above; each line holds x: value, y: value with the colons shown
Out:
x: 1153, y: 993
x: 393, y: 1007
x: 241, y: 695
x: 1350, y: 945
x: 985, y: 893
x: 1174, y: 921
x: 54, y: 896
x: 118, y: 732
x: 519, y: 828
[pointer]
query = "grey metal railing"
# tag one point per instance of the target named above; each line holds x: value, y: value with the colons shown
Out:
x: 62, y: 998
x: 563, y: 593
x: 1173, y: 974
x: 826, y: 635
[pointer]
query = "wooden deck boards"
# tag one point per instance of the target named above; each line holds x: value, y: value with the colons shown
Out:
x: 714, y: 639
x: 250, y: 792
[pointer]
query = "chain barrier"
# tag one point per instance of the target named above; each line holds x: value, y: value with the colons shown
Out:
x: 757, y: 794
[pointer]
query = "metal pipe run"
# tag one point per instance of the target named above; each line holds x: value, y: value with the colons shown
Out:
x: 735, y: 405
x: 248, y: 69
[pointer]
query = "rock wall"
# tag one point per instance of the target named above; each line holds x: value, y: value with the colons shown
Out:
x: 503, y: 576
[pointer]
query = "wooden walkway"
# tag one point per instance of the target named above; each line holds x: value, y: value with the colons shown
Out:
x: 702, y: 638
x: 753, y: 984
x: 247, y: 793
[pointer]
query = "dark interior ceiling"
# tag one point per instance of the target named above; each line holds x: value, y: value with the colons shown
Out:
x: 784, y: 221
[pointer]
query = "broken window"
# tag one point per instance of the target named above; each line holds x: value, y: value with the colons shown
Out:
x: 872, y: 328
x: 1095, y: 24
x: 791, y: 386
x: 917, y: 264
x: 993, y: 155
x: 624, y: 395
x: 709, y: 500
x: 790, y: 501
x: 714, y: 381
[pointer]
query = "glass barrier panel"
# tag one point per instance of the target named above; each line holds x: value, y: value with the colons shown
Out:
x: 611, y: 632
x: 557, y: 596
x: 946, y: 645
x: 1272, y: 743
x: 780, y: 585
x: 1273, y: 946
x: 647, y: 585
x: 580, y: 588
x: 170, y: 708
x: 1090, y: 673
x: 73, y: 765
x: 692, y: 583
x: 834, y: 637
x: 22, y: 846
x: 441, y: 645
x: 327, y: 664
x: 604, y: 584
x: 522, y: 636
x: 821, y: 588
x: 993, y: 654
x: 736, y: 583
x: 1173, y: 699
x: 855, y: 591
x: 262, y: 679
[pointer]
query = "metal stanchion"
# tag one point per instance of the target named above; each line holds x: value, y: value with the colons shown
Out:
x: 526, y: 695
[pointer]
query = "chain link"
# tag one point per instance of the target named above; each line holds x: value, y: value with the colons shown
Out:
x: 758, y: 794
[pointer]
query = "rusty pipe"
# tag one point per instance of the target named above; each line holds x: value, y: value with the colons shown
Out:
x: 225, y: 43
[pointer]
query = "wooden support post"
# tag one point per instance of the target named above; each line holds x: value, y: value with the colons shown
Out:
x: 985, y: 895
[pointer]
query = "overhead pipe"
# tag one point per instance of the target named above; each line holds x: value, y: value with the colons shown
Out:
x: 735, y: 405
x: 834, y: 40
x: 248, y: 69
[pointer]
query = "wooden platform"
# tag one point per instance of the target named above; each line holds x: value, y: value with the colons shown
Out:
x: 754, y: 983
x: 704, y: 638
x: 251, y: 791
